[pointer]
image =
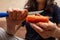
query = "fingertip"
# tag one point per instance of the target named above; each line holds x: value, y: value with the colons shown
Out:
x: 15, y: 9
x: 9, y: 10
x: 26, y: 11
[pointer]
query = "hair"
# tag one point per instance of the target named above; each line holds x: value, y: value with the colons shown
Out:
x: 32, y: 5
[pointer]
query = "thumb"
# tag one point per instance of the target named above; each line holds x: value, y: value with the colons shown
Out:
x: 36, y: 28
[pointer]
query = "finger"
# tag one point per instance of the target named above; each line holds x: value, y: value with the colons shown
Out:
x: 51, y: 22
x: 10, y: 12
x: 36, y: 28
x: 24, y: 14
x: 14, y: 14
x: 19, y: 14
x: 42, y: 25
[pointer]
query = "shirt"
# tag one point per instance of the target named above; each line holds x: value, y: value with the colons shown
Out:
x: 5, y: 36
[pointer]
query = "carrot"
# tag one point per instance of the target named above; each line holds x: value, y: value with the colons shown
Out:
x: 36, y: 19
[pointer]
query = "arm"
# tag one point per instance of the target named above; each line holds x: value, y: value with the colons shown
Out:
x: 15, y: 19
x: 12, y: 29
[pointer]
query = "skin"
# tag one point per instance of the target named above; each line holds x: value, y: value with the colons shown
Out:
x: 46, y: 30
x: 41, y: 4
x: 15, y: 18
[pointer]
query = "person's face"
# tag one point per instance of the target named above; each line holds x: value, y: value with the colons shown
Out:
x: 40, y: 1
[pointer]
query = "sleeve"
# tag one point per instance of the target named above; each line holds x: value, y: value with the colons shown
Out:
x: 2, y: 34
x: 57, y: 15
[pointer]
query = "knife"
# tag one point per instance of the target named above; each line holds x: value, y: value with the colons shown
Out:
x: 5, y: 14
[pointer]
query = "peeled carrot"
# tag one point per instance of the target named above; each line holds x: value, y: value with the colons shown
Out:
x: 36, y: 19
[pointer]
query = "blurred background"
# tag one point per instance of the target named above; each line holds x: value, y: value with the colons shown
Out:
x: 5, y: 4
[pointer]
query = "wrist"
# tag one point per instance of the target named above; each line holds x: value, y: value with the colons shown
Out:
x: 9, y: 34
x: 56, y: 33
x: 10, y: 29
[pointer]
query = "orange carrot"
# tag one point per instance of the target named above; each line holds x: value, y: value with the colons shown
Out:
x: 36, y: 19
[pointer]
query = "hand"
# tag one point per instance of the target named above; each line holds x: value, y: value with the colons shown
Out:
x: 45, y: 30
x: 16, y: 17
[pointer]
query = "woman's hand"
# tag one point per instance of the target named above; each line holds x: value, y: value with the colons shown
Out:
x: 45, y: 30
x: 16, y: 17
